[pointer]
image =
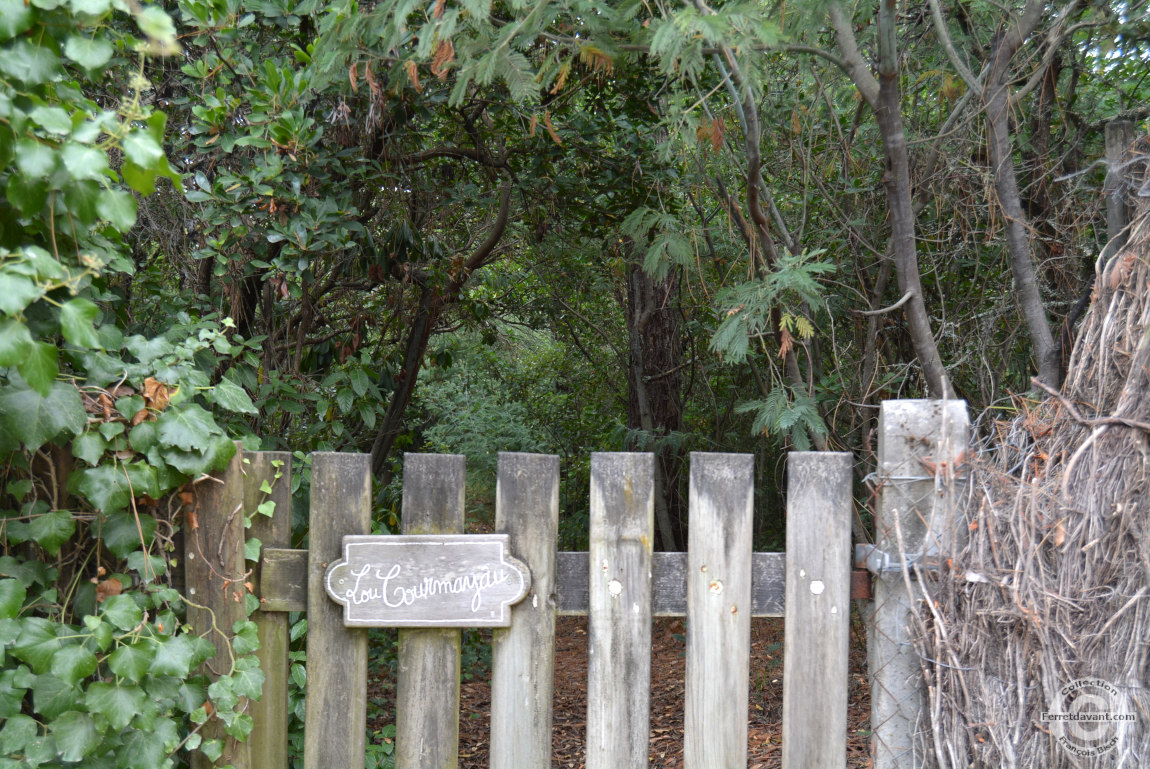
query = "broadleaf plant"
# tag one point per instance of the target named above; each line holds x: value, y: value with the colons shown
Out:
x: 101, y: 422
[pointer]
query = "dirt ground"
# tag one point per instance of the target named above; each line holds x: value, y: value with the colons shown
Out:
x: 667, y: 675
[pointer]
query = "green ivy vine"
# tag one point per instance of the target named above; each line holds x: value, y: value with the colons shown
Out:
x: 99, y: 427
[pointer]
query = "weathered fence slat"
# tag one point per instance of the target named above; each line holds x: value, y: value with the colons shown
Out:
x: 427, y: 692
x: 268, y: 739
x: 917, y: 439
x: 523, y: 655
x: 214, y: 577
x: 721, y: 508
x: 619, y: 624
x: 336, y: 722
x: 817, y: 631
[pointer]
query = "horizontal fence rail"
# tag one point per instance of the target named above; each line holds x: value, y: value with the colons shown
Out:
x: 285, y: 589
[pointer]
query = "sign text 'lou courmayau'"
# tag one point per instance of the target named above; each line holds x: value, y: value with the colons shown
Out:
x: 424, y: 580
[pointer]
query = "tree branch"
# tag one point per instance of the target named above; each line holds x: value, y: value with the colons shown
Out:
x: 855, y: 67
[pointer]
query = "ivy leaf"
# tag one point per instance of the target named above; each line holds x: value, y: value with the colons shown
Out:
x: 17, y: 734
x: 122, y: 611
x: 121, y: 532
x: 37, y: 643
x: 72, y: 664
x: 87, y: 52
x: 142, y: 149
x: 118, y: 207
x: 12, y: 595
x: 15, y: 340
x: 189, y: 428
x: 116, y: 703
x: 232, y: 397
x: 173, y: 657
x: 54, y: 120
x: 15, y: 19
x: 12, y: 691
x: 76, y: 735
x: 40, y: 367
x: 147, y: 566
x: 147, y: 749
x: 105, y: 486
x: 51, y: 530
x: 246, y: 639
x: 89, y: 447
x: 131, y: 662
x: 248, y: 679
x: 83, y: 161
x: 77, y: 319
x: 91, y: 7
x: 51, y: 696
x: 142, y: 180
x: 17, y: 292
x: 33, y: 64
x: 34, y: 419
x: 28, y: 572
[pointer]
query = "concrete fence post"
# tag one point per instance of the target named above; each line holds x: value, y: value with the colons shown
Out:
x: 922, y: 446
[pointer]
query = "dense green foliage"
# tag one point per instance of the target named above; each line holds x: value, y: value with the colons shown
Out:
x: 471, y: 227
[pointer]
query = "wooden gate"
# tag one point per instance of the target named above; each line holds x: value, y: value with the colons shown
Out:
x: 718, y: 585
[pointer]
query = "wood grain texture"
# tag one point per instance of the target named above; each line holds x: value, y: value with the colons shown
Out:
x: 721, y: 505
x: 669, y: 584
x: 817, y: 635
x: 283, y: 579
x: 214, y: 580
x: 336, y: 721
x: 619, y: 624
x: 269, y: 736
x: 427, y: 692
x: 523, y: 655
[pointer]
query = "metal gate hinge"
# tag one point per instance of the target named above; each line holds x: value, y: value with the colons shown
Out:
x: 881, y: 562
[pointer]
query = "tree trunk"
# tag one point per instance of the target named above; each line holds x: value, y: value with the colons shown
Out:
x: 996, y: 96
x: 432, y: 301
x: 898, y: 191
x: 883, y: 97
x: 654, y: 402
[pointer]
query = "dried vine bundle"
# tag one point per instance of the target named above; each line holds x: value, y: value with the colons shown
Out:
x: 1053, y: 583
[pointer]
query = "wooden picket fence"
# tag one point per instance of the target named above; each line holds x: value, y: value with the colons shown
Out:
x: 718, y: 585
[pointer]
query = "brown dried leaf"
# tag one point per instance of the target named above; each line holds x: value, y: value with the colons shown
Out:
x: 564, y: 71
x: 441, y: 61
x: 786, y: 343
x: 156, y: 394
x: 534, y: 123
x: 596, y: 59
x: 413, y: 75
x: 107, y: 589
x: 439, y: 6
x: 551, y: 129
x: 352, y: 77
x: 369, y: 76
x: 718, y: 131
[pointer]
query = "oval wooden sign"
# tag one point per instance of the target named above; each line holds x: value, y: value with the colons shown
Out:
x: 427, y: 580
